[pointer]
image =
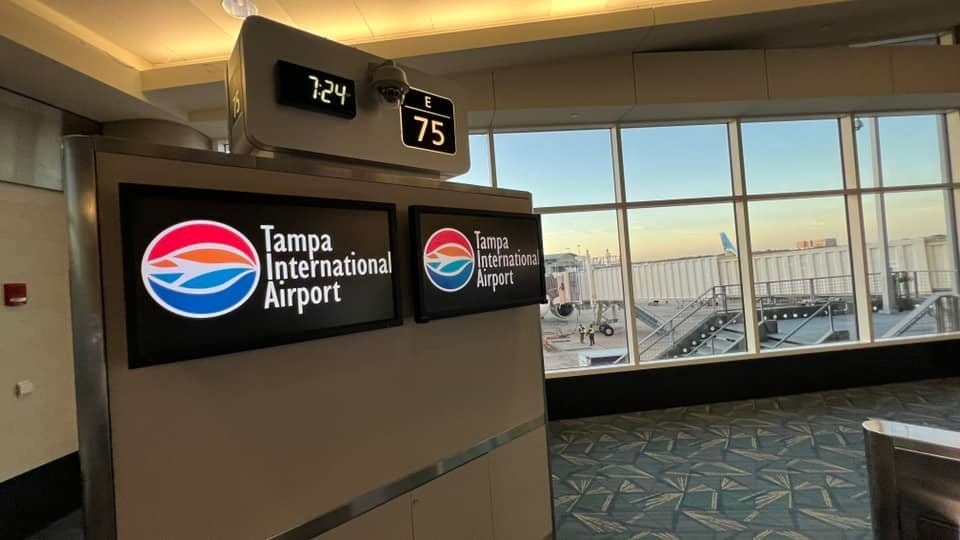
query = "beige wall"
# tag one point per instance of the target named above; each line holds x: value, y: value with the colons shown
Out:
x: 659, y: 86
x: 249, y: 444
x: 35, y: 340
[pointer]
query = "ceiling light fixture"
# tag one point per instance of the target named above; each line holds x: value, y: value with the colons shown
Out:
x: 240, y: 9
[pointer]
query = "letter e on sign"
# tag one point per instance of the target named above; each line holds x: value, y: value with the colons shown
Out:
x: 427, y: 122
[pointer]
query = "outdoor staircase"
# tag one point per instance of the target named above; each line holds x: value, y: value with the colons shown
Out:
x: 696, y: 325
x: 719, y: 333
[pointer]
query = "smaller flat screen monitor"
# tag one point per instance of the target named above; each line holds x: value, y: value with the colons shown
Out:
x: 471, y: 261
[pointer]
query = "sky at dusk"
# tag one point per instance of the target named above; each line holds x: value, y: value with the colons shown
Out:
x: 670, y: 162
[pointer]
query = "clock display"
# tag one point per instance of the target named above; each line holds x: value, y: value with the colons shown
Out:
x: 315, y: 90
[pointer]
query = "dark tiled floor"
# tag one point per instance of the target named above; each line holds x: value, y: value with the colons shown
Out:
x: 789, y: 467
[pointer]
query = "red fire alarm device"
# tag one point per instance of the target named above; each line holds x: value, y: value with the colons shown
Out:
x: 14, y: 294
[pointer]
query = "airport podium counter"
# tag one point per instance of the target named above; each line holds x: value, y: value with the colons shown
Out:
x: 213, y: 404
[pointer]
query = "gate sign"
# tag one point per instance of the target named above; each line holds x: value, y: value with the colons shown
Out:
x: 210, y: 272
x: 427, y: 122
x: 471, y: 261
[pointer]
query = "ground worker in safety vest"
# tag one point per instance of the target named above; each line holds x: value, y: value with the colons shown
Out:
x: 592, y: 332
x: 582, y: 331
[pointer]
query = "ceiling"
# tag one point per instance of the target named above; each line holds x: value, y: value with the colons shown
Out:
x: 163, y: 32
x: 165, y: 58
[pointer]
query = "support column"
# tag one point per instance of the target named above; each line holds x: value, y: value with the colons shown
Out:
x: 949, y: 135
x: 744, y: 246
x: 886, y: 292
x: 493, y: 159
x: 858, y: 243
x: 626, y: 260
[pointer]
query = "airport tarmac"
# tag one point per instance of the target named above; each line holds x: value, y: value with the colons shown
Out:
x: 562, y: 347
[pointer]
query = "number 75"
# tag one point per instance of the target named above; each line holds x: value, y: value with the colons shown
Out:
x: 435, y: 128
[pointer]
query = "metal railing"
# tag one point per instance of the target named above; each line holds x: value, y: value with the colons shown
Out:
x: 712, y: 338
x: 942, y: 307
x: 915, y: 283
x: 800, y: 289
x: 828, y: 307
x: 713, y: 300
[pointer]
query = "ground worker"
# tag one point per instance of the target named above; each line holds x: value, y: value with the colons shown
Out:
x: 592, y: 332
x: 582, y: 331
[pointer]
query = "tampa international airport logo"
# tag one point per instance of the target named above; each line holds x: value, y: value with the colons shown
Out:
x: 200, y: 269
x: 448, y: 259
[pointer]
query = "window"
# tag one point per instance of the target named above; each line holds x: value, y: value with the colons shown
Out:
x: 686, y: 282
x: 680, y: 223
x: 479, y: 173
x: 792, y: 156
x: 557, y: 167
x: 802, y: 274
x: 676, y: 162
x: 585, y: 292
x: 913, y: 278
x: 909, y: 149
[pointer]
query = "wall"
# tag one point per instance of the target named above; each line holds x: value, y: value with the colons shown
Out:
x: 671, y: 86
x: 35, y: 342
x: 29, y: 142
x: 39, y: 471
x: 807, y: 371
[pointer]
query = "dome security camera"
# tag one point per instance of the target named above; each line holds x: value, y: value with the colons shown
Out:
x: 390, y: 81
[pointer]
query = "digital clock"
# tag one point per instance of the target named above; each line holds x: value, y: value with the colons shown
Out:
x: 315, y: 90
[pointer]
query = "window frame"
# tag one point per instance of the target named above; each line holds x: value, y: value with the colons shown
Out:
x: 851, y: 191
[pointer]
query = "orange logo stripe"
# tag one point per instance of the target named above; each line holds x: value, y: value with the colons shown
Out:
x: 212, y: 256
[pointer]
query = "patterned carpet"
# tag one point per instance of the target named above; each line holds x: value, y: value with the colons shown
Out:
x: 788, y: 467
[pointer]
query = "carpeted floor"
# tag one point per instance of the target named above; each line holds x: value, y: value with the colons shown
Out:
x: 788, y: 467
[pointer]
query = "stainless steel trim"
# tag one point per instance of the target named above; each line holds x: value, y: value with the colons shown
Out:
x: 90, y: 366
x: 890, y: 476
x: 34, y: 186
x: 294, y: 164
x: 883, y: 497
x: 626, y: 255
x: 372, y: 499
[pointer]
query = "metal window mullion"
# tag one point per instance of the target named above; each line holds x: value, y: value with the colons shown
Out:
x: 744, y: 246
x: 493, y: 158
x: 856, y: 231
x: 626, y: 260
x: 949, y: 124
x: 876, y: 159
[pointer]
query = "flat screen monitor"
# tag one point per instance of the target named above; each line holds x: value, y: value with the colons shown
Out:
x: 210, y: 272
x: 472, y: 261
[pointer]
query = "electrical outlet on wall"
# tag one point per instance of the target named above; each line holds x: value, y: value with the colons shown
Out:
x: 24, y: 389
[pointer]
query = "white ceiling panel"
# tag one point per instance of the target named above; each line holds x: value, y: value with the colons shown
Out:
x: 159, y: 31
x: 392, y: 17
x: 333, y: 19
x: 270, y: 9
x: 458, y: 15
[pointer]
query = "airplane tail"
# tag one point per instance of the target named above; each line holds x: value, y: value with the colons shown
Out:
x: 728, y: 246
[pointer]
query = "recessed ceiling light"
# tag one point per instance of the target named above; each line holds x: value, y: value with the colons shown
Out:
x: 574, y: 116
x: 240, y: 9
